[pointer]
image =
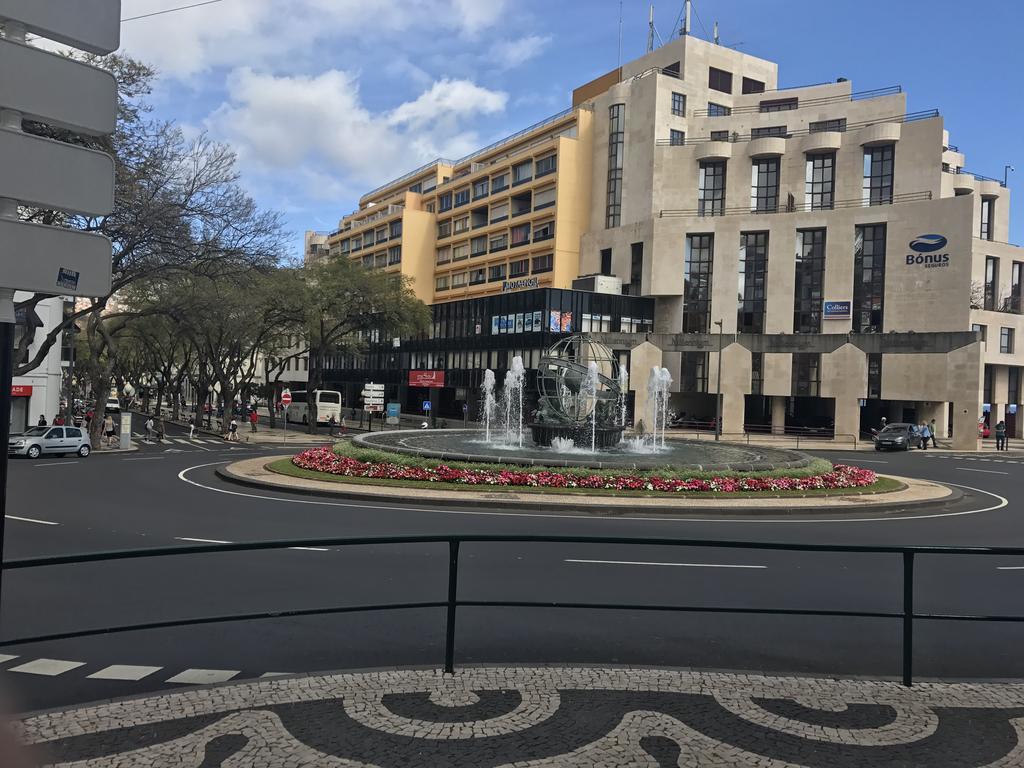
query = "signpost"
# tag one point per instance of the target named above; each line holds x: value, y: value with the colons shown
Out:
x: 52, y: 175
x: 286, y: 400
x: 373, y: 401
x: 394, y: 413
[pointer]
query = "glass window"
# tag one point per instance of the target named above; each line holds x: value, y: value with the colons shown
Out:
x: 837, y: 125
x: 636, y: 269
x: 606, y: 261
x: 459, y: 279
x: 395, y: 255
x: 498, y: 242
x: 719, y: 80
x: 441, y: 284
x: 460, y: 252
x: 1014, y: 302
x: 382, y: 235
x: 367, y: 260
x: 544, y: 198
x: 676, y: 138
x: 756, y: 373
x: 547, y: 165
x: 697, y: 275
x: 764, y: 185
x: 461, y: 225
x: 444, y: 202
x: 396, y: 229
x: 1006, y: 340
x: 991, y: 282
x: 1013, y: 384
x: 768, y: 130
x: 522, y: 172
x: 496, y: 272
x: 616, y: 144
x: 462, y: 196
x: 694, y: 372
x: 987, y: 208
x: 810, y: 280
x: 544, y: 231
x: 750, y: 85
x: 478, y: 245
x: 499, y: 212
x: 753, y: 280
x: 519, y: 268
x: 477, y: 276
x: 719, y: 135
x: 778, y: 105
x: 868, y: 278
x: 444, y: 228
x: 444, y: 255
x: 711, y: 192
x: 480, y: 189
x: 520, y: 234
x: 543, y: 263
x: 718, y: 110
x: 819, y: 186
x: 73, y: 432
x: 878, y: 172
x: 678, y: 104
x: 874, y: 375
x: 499, y: 182
x: 982, y: 329
x: 806, y: 374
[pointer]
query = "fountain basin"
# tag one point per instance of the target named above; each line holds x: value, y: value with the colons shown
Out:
x: 605, y: 437
x: 469, y: 445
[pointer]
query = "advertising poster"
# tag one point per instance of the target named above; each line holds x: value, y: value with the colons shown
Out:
x: 495, y: 323
x: 529, y: 322
x: 554, y: 324
x: 538, y: 319
x: 519, y: 323
x: 567, y: 322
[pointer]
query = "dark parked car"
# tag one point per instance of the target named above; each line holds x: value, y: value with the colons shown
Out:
x: 901, y: 437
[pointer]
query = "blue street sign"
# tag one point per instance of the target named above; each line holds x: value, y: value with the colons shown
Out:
x: 426, y: 405
x: 394, y: 410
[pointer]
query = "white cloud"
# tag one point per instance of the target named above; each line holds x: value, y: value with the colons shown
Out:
x: 446, y: 98
x: 509, y: 54
x: 477, y: 15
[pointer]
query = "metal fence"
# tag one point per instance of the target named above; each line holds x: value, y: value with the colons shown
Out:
x: 907, y: 616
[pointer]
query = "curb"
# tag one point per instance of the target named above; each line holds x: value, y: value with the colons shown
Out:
x: 225, y: 473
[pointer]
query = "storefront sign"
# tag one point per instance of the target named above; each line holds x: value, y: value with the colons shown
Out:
x: 837, y: 310
x: 520, y: 285
x: 21, y: 390
x: 426, y: 378
x: 928, y: 251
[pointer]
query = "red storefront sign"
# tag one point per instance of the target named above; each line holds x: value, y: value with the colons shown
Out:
x: 21, y: 390
x: 426, y: 378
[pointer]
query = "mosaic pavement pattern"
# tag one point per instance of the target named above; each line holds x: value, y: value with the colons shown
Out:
x: 547, y: 716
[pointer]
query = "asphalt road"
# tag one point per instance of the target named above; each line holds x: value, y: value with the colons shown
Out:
x: 168, y: 494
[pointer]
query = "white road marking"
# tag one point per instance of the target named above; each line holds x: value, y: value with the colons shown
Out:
x: 1010, y: 568
x: 987, y: 471
x: 203, y: 676
x: 744, y: 520
x: 5, y: 657
x: 674, y: 565
x: 47, y: 667
x: 868, y: 461
x: 276, y: 674
x: 124, y: 672
x: 30, y: 520
x: 146, y: 458
x: 55, y: 464
x: 312, y: 549
x: 201, y: 541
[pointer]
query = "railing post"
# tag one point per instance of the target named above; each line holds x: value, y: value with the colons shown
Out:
x: 908, y: 618
x: 453, y: 592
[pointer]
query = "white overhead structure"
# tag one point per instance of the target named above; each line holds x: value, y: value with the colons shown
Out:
x: 89, y: 25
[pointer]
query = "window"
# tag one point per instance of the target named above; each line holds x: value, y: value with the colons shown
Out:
x: 480, y: 189
x: 417, y: 187
x: 764, y: 185
x: 750, y: 85
x: 1006, y: 341
x: 547, y: 165
x: 878, y: 169
x: 477, y: 276
x: 837, y: 125
x: 868, y: 278
x: 636, y: 269
x: 982, y: 329
x: 444, y: 202
x: 499, y: 183
x: 394, y: 255
x: 543, y: 263
x: 676, y: 138
x: 1014, y: 302
x: 753, y: 279
x: 519, y: 268
x: 544, y: 231
x: 396, y: 229
x: 719, y: 80
x: 991, y: 282
x: 544, y: 198
x: 874, y: 375
x: 778, y: 105
x: 459, y: 279
x: 441, y: 284
x: 718, y: 110
x: 522, y: 172
x: 495, y: 273
x: 460, y: 252
x: 768, y: 130
x: 616, y: 141
x: 380, y: 259
x: 367, y: 261
x: 499, y: 243
x: 711, y: 192
x: 478, y: 245
x: 1013, y: 384
x: 72, y: 432
x: 719, y: 135
x: 461, y: 196
x: 444, y: 255
x: 357, y: 243
x: 499, y: 212
x: 806, y: 374
x: 810, y: 280
x: 520, y: 234
x: 382, y: 235
x: 697, y: 274
x: 461, y: 225
x: 346, y: 245
x: 606, y: 261
x: 444, y: 228
x: 756, y: 373
x: 694, y: 370
x: 819, y: 184
x: 987, y: 209
x: 678, y: 104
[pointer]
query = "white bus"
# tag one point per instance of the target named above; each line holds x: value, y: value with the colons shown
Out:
x: 328, y: 403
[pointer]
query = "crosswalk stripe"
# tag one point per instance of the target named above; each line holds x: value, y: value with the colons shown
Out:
x: 124, y: 672
x: 5, y: 657
x: 275, y: 674
x: 203, y: 676
x: 48, y: 667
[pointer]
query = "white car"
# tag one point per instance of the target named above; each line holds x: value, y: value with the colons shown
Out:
x: 113, y: 405
x: 55, y: 441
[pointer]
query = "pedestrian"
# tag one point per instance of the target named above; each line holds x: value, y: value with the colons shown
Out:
x: 149, y: 429
x: 344, y: 426
x: 42, y: 421
x: 191, y: 427
x: 926, y: 435
x: 59, y: 421
x: 1001, y: 436
x: 254, y: 419
x: 884, y: 420
x: 108, y: 429
x: 160, y: 430
x: 88, y: 419
x: 331, y: 424
x: 233, y: 430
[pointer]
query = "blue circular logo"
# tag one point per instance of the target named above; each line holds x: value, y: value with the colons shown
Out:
x: 928, y: 243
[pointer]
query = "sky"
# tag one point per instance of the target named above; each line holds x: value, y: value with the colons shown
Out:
x: 324, y: 100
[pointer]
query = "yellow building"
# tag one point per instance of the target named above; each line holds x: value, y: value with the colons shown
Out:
x: 508, y: 217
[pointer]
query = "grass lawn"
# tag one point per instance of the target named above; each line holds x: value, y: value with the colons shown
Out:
x: 285, y: 467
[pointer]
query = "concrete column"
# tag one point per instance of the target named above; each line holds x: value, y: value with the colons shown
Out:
x: 941, y: 417
x: 778, y: 415
x: 847, y: 417
x: 733, y: 409
x: 965, y: 424
x: 998, y: 414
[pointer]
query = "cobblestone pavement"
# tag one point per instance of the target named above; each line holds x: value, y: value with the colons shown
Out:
x: 544, y: 716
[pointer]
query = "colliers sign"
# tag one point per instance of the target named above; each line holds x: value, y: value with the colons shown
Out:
x: 520, y: 285
x: 929, y: 251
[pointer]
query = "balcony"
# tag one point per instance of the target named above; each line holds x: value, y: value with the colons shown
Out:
x: 859, y: 202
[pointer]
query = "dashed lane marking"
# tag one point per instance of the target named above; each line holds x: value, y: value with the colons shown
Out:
x: 201, y: 541
x: 1010, y: 568
x: 30, y: 520
x: 986, y: 471
x: 130, y: 672
x: 47, y: 667
x: 204, y: 676
x: 674, y: 565
x: 146, y: 458
x: 55, y: 464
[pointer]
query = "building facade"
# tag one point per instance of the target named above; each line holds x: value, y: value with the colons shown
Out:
x: 38, y: 393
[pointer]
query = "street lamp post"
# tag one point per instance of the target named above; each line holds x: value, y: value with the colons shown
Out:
x: 718, y: 386
x: 1006, y: 173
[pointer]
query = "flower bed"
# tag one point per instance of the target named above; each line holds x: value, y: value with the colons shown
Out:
x: 327, y: 461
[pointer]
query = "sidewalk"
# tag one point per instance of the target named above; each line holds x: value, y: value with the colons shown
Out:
x: 542, y: 716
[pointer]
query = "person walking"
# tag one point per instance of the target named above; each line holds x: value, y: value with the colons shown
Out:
x: 926, y: 435
x: 331, y: 424
x: 1001, y: 436
x: 108, y: 429
x: 932, y: 428
x: 42, y: 421
x: 884, y: 422
x: 254, y: 419
x: 191, y: 427
x: 149, y: 429
x: 160, y: 430
x: 233, y: 430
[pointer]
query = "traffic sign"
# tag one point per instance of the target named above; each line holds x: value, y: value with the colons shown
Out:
x: 286, y: 398
x: 92, y: 25
x: 75, y: 263
x: 57, y: 90
x: 426, y: 405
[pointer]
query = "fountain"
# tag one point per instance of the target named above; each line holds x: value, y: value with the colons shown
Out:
x: 658, y: 384
x: 512, y: 402
x: 623, y: 392
x: 489, y: 403
x: 591, y: 389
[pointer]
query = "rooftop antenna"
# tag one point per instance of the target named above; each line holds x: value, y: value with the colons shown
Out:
x: 685, y: 30
x: 619, y: 62
x: 650, y: 29
x: 716, y: 33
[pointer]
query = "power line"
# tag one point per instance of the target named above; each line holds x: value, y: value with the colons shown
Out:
x: 170, y: 10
